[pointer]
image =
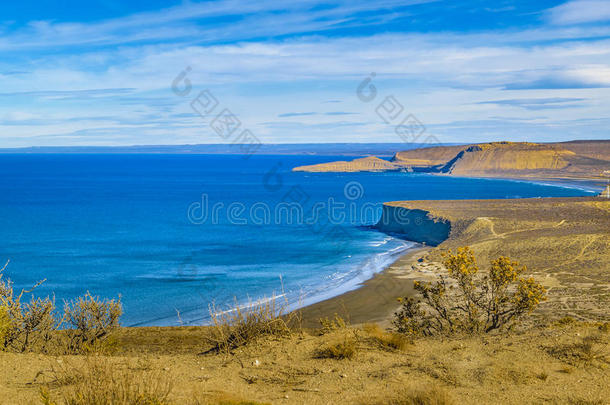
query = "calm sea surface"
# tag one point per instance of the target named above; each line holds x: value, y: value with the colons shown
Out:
x: 174, y: 233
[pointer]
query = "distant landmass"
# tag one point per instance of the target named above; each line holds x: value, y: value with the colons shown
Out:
x: 330, y: 149
x: 575, y: 159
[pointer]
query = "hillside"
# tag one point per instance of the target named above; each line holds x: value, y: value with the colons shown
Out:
x: 578, y: 160
x: 367, y: 164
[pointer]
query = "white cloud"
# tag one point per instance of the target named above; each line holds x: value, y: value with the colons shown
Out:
x: 450, y: 81
x: 580, y: 11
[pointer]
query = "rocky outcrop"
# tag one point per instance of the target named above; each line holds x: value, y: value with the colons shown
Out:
x: 367, y: 164
x: 414, y: 224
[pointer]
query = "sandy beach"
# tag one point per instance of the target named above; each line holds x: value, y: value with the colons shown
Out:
x: 563, y: 242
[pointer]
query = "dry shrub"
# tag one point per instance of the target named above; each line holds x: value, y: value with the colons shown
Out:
x: 428, y: 396
x: 328, y: 325
x: 387, y: 340
x: 33, y: 325
x: 242, y: 325
x: 565, y: 321
x: 24, y: 326
x: 344, y: 349
x: 467, y: 302
x: 91, y: 320
x: 588, y: 351
x: 100, y: 382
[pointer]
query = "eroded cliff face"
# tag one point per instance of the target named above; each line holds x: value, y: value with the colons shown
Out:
x: 414, y: 224
x: 508, y: 157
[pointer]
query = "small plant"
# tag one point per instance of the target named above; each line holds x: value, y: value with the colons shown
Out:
x: 223, y: 398
x: 345, y: 349
x: 428, y: 396
x: 101, y: 382
x: 565, y: 321
x: 585, y: 352
x: 242, y: 325
x: 90, y: 320
x: 331, y: 325
x: 387, y: 340
x: 24, y: 326
x: 468, y: 302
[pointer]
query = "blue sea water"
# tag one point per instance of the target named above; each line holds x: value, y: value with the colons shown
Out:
x: 174, y: 233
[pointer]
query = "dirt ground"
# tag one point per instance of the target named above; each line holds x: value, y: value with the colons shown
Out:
x: 543, y: 365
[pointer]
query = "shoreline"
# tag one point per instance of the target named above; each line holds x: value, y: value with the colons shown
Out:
x: 374, y: 300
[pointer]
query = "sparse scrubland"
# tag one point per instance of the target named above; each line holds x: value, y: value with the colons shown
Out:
x: 460, y: 339
x: 34, y: 325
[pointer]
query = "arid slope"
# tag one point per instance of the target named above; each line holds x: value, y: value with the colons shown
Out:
x: 577, y: 160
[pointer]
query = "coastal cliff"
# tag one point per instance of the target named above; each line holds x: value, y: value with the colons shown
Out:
x: 578, y: 160
x: 415, y: 224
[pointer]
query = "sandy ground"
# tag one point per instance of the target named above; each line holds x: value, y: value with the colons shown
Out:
x: 532, y: 367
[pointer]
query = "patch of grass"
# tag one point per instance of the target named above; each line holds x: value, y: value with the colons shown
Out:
x: 565, y: 321
x: 425, y: 396
x: 331, y: 325
x: 387, y: 340
x: 345, y: 349
x: 102, y: 382
x: 585, y: 352
x: 542, y: 376
x: 581, y: 401
x: 223, y: 398
x: 242, y: 325
x: 604, y: 327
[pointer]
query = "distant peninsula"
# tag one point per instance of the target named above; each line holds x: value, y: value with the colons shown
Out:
x: 577, y: 160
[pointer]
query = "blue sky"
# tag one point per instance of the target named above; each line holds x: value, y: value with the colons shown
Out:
x: 101, y: 72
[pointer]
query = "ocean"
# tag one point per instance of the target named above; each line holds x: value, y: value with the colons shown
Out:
x: 174, y: 234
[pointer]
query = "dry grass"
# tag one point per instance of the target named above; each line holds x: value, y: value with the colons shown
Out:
x: 223, y: 398
x: 242, y: 325
x: 589, y: 351
x: 427, y: 396
x: 386, y: 340
x: 100, y: 382
x: 344, y: 349
x: 328, y: 325
x: 505, y: 368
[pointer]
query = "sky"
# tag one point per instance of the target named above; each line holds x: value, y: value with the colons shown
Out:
x: 150, y: 72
